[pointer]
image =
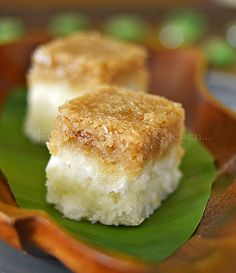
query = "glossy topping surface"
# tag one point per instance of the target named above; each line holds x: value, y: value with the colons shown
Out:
x: 119, y: 126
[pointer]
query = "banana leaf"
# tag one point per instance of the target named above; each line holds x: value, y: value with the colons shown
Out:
x: 23, y: 163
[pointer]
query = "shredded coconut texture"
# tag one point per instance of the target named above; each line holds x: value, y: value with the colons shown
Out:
x: 118, y: 126
x: 89, y: 57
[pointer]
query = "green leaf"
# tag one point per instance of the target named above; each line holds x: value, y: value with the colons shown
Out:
x: 158, y: 237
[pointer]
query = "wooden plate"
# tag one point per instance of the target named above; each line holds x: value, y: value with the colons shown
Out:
x: 176, y: 74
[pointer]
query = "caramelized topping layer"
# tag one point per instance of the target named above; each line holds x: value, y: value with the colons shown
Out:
x: 90, y: 55
x: 119, y: 126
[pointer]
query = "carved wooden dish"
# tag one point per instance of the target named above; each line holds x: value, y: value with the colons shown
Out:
x: 176, y: 74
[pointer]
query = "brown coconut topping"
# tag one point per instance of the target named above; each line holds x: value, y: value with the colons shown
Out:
x: 118, y: 126
x: 80, y: 54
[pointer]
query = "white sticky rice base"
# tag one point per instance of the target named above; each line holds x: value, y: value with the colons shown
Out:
x: 43, y: 102
x: 80, y: 188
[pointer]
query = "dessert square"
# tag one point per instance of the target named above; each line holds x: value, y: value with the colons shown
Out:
x: 68, y: 67
x: 115, y: 155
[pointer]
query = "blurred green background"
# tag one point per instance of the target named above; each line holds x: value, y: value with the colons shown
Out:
x: 207, y: 25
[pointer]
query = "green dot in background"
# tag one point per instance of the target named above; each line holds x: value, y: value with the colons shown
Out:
x: 219, y: 52
x: 127, y: 27
x: 182, y: 28
x: 68, y: 23
x: 231, y: 34
x: 11, y: 28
